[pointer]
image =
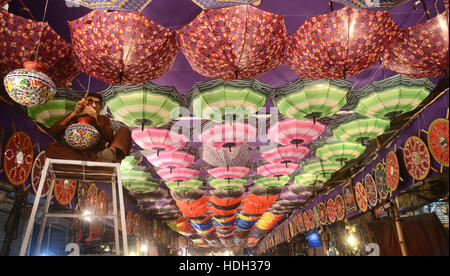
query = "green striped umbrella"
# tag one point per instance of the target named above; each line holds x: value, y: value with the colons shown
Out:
x: 308, y: 179
x: 271, y: 182
x: 320, y: 167
x: 311, y: 99
x: 228, y: 184
x: 129, y: 162
x: 189, y: 185
x: 331, y: 149
x: 141, y: 186
x: 225, y: 100
x: 50, y: 112
x: 143, y: 105
x: 134, y: 175
x: 390, y: 97
x: 358, y: 129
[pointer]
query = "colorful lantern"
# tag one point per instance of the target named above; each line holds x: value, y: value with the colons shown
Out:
x: 310, y: 99
x: 121, y: 5
x: 82, y: 135
x: 390, y: 97
x: 220, y: 101
x: 228, y: 135
x: 171, y: 159
x: 157, y: 140
x: 334, y: 150
x: 295, y: 132
x: 143, y: 105
x: 276, y: 170
x: 285, y: 154
x: 229, y: 172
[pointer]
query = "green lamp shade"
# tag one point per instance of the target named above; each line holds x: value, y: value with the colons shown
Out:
x: 271, y: 182
x: 319, y: 167
x: 308, y: 179
x: 338, y: 151
x: 227, y: 184
x: 360, y: 130
x: 390, y: 97
x: 51, y: 111
x: 189, y: 185
x: 312, y: 99
x: 144, y: 105
x: 219, y: 100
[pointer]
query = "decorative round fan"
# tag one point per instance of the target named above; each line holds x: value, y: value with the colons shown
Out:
x: 136, y: 224
x: 340, y: 207
x: 87, y: 196
x: 323, y: 218
x: 18, y: 158
x: 36, y: 171
x: 392, y: 170
x: 331, y: 210
x: 438, y: 133
x: 416, y: 157
x: 371, y: 190
x: 312, y: 222
x: 306, y: 221
x: 381, y: 180
x: 64, y: 190
x: 361, y: 197
x: 101, y: 207
x: 129, y: 222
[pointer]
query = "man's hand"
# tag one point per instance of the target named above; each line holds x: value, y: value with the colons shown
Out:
x: 79, y: 107
x: 89, y: 110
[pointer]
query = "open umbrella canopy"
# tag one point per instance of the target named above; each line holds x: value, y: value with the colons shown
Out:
x: 340, y: 44
x: 229, y: 172
x: 270, y: 182
x: 390, y: 97
x: 332, y: 149
x: 311, y: 99
x: 51, y: 111
x: 276, y: 170
x: 358, y: 129
x: 420, y: 50
x: 228, y: 100
x: 143, y: 105
x: 233, y: 157
x: 177, y: 174
x: 295, y: 132
x: 320, y: 167
x: 141, y: 186
x: 370, y: 4
x: 28, y: 40
x: 188, y: 185
x: 239, y: 42
x: 308, y: 179
x: 158, y: 139
x: 228, y: 184
x: 122, y: 47
x: 217, y: 4
x: 285, y: 154
x: 121, y: 5
x: 171, y: 159
x: 228, y: 135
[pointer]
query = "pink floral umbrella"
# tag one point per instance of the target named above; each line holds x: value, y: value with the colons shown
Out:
x: 276, y: 170
x: 171, y: 159
x: 229, y: 172
x: 239, y: 42
x: 177, y: 174
x: 421, y: 50
x: 295, y: 132
x: 340, y: 44
x: 157, y: 140
x: 122, y: 47
x: 228, y: 135
x: 19, y: 40
x: 285, y: 154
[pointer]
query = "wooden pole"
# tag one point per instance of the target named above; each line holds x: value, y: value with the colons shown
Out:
x: 398, y: 225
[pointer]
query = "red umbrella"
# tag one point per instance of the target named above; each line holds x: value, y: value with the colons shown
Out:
x: 285, y: 155
x: 421, y: 50
x: 339, y: 44
x: 21, y: 37
x: 229, y: 172
x: 276, y: 170
x: 122, y: 47
x: 239, y: 42
x: 295, y: 132
x: 228, y: 135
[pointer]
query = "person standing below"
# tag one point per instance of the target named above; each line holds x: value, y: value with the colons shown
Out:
x: 112, y: 147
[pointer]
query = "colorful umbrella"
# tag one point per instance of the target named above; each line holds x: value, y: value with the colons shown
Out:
x: 217, y: 4
x: 358, y: 129
x: 51, y: 111
x: 228, y: 135
x: 390, y: 97
x: 143, y: 105
x: 312, y: 99
x: 129, y: 162
x: 370, y: 4
x: 20, y: 38
x: 121, y: 5
x: 320, y: 167
x: 270, y: 182
x: 177, y: 174
x: 227, y: 184
x: 340, y: 44
x: 171, y: 159
x: 295, y: 132
x: 187, y: 195
x: 141, y: 186
x: 300, y: 189
x: 240, y: 42
x: 122, y: 47
x: 158, y: 139
x: 152, y: 195
x: 189, y: 185
x: 421, y: 50
x: 308, y: 179
x: 276, y: 170
x: 223, y: 101
x: 232, y: 157
x: 229, y: 172
x: 334, y: 150
x: 285, y: 154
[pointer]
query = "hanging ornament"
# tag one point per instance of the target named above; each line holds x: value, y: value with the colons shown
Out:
x: 416, y: 157
x: 82, y: 135
x: 36, y: 171
x: 331, y: 210
x: 361, y: 197
x: 392, y: 171
x: 18, y: 158
x: 371, y: 190
x: 340, y: 207
x: 438, y: 141
x: 322, y: 209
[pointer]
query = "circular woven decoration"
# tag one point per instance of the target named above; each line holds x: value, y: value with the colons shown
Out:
x: 381, y: 181
x: 331, y: 210
x: 416, y: 157
x: 36, y: 171
x: 438, y: 140
x: 18, y: 158
x: 340, y: 207
x: 371, y: 190
x: 101, y: 208
x: 316, y: 216
x: 361, y: 197
x: 87, y: 196
x: 323, y: 217
x: 136, y: 224
x: 312, y: 222
x: 129, y: 222
x: 64, y: 190
x: 306, y: 221
x: 392, y: 170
